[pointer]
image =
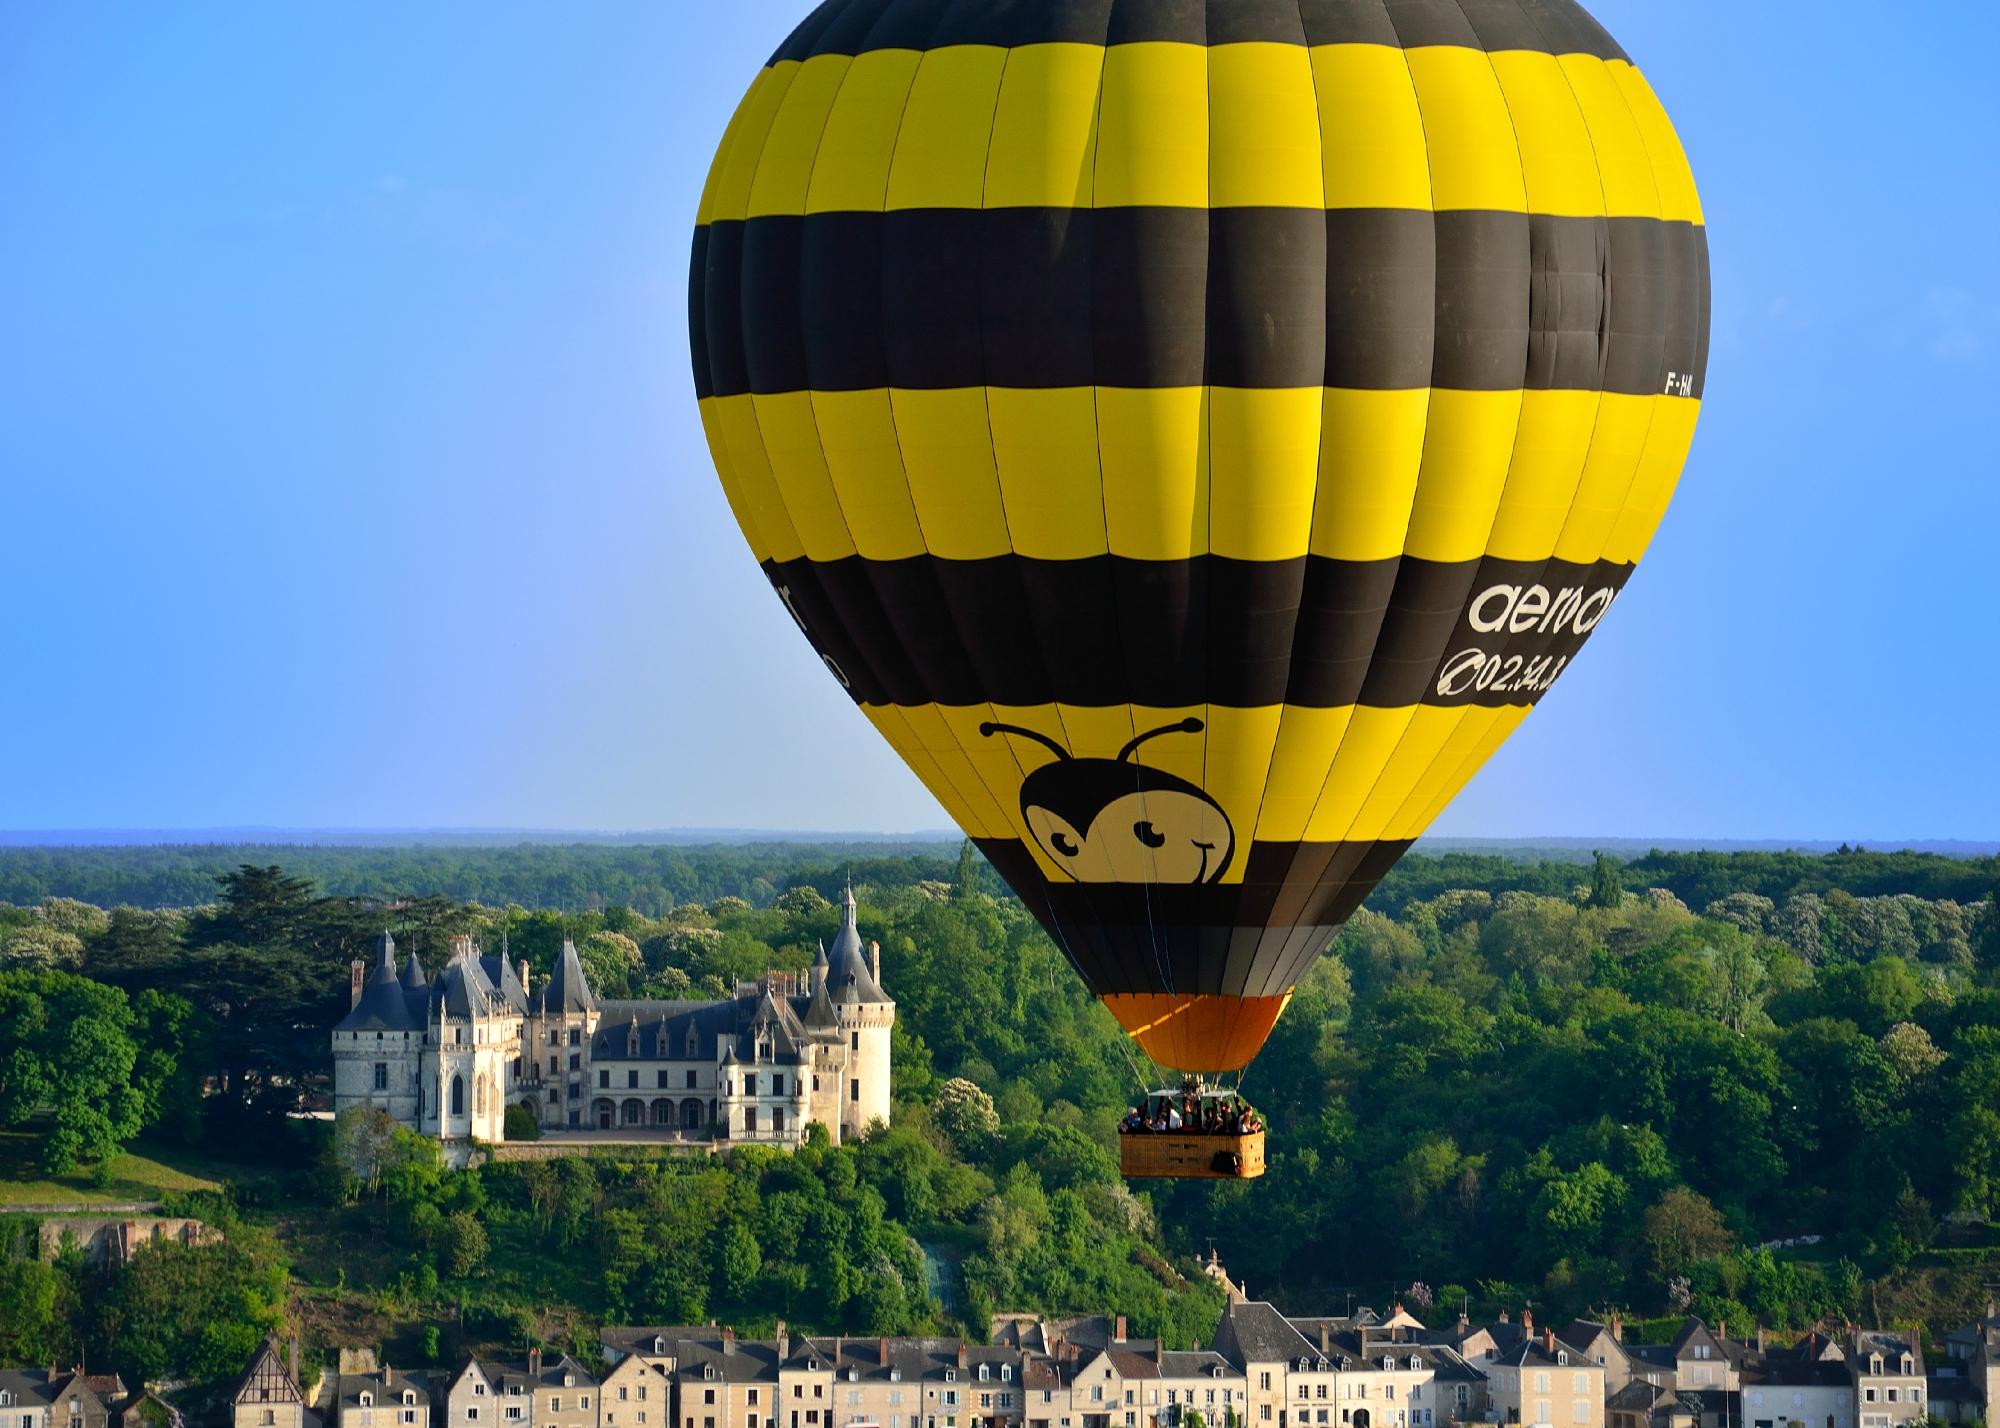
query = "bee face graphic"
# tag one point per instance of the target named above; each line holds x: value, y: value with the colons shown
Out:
x: 1115, y: 821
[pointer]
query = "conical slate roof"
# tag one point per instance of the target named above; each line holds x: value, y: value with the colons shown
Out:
x: 567, y: 989
x: 383, y: 1006
x: 848, y: 978
x: 414, y: 979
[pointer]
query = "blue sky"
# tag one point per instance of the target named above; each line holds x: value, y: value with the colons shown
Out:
x: 350, y: 474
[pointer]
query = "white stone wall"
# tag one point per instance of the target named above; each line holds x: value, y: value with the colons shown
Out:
x: 355, y: 1057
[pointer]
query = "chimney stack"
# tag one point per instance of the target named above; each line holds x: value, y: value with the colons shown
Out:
x: 1618, y: 1328
x: 784, y: 1338
x: 1760, y: 1338
x: 961, y: 1353
x: 295, y: 1360
x: 1119, y: 1332
x: 1527, y: 1322
x: 385, y: 1375
x: 1325, y: 1337
x: 882, y: 1351
x: 535, y: 1362
x: 875, y: 960
x: 1722, y: 1334
x: 1549, y: 1342
x: 357, y: 973
x: 524, y: 976
x: 728, y: 1337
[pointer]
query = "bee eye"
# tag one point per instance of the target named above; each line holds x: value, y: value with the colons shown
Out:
x: 1063, y: 845
x: 1147, y: 834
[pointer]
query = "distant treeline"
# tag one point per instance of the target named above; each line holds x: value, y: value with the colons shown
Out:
x: 581, y: 877
x: 654, y: 879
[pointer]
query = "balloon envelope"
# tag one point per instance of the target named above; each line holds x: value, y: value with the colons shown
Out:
x: 1196, y: 434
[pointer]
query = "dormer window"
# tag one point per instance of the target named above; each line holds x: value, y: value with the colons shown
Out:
x: 409, y: 1398
x: 708, y: 1370
x: 659, y: 1346
x: 895, y: 1375
x: 1561, y: 1357
x: 1906, y: 1364
x: 1875, y: 1364
x: 853, y: 1373
x: 1388, y: 1363
x: 569, y: 1380
x: 1006, y: 1373
x: 984, y: 1373
x: 951, y: 1375
x: 1415, y: 1363
x: 367, y: 1399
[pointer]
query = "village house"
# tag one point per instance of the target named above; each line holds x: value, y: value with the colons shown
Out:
x: 383, y: 1399
x: 270, y: 1393
x: 1888, y: 1374
x: 1545, y: 1383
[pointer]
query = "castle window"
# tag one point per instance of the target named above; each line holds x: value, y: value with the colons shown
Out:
x: 603, y: 1079
x: 631, y: 1080
x: 575, y: 1037
x: 777, y: 1120
x: 553, y: 1067
x: 750, y: 1084
x: 381, y: 1075
x: 750, y: 1120
x: 661, y: 1081
x: 854, y: 1090
x: 458, y: 1095
x: 854, y: 1040
x: 458, y: 1035
x: 778, y: 1089
x: 690, y: 1079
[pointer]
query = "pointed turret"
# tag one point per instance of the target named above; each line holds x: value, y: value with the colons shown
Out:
x: 567, y: 990
x: 414, y: 979
x: 382, y: 1006
x: 848, y: 977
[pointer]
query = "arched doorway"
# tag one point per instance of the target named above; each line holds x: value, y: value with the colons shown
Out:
x: 604, y: 1112
x: 663, y: 1112
x: 1360, y: 1418
x: 691, y: 1115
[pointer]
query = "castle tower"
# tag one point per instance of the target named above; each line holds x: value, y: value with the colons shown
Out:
x: 865, y: 1014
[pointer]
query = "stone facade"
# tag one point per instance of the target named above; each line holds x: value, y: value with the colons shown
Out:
x: 446, y: 1057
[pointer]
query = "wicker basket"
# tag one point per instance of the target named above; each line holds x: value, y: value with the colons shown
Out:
x: 1172, y: 1155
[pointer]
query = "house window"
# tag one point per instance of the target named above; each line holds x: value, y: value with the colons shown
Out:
x: 1264, y: 1382
x: 381, y: 1075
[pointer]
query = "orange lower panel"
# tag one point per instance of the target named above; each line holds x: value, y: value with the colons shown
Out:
x: 1197, y: 1033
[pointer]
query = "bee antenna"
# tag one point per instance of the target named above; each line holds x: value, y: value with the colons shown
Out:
x: 1189, y: 725
x: 989, y: 729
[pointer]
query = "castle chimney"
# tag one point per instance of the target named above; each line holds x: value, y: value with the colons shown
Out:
x: 535, y: 1362
x: 524, y: 977
x: 357, y: 973
x: 1119, y: 1331
x: 875, y: 960
x: 461, y: 945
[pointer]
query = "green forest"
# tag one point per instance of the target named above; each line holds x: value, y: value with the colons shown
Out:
x: 1507, y: 1082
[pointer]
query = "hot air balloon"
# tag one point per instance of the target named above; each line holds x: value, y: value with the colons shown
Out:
x: 1197, y: 432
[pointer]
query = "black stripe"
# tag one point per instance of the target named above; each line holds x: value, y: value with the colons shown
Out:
x: 1109, y: 630
x: 1250, y: 939
x: 856, y: 26
x: 1381, y: 299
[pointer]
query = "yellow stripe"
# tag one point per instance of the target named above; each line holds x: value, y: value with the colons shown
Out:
x: 1153, y: 139
x: 1045, y: 128
x: 1252, y: 124
x: 1678, y: 199
x: 940, y: 159
x: 1174, y: 473
x: 737, y: 170
x: 1264, y: 140
x: 1371, y: 130
x: 1474, y: 161
x: 852, y: 172
x: 789, y: 149
x: 1558, y: 167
